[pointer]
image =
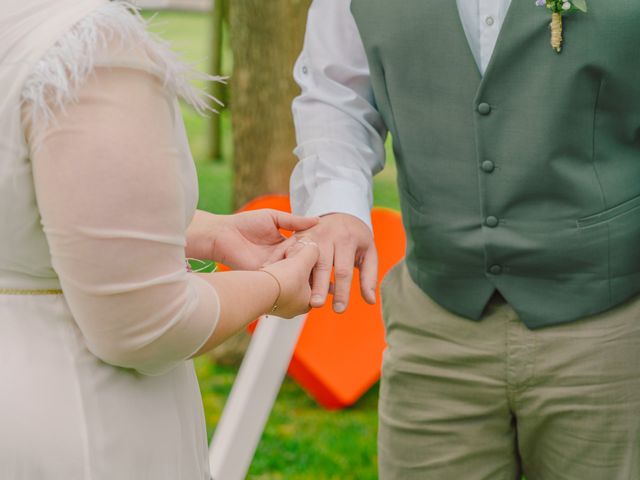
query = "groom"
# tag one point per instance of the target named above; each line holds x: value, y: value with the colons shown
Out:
x: 513, y: 325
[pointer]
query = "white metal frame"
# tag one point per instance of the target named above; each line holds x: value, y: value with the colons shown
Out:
x: 252, y: 397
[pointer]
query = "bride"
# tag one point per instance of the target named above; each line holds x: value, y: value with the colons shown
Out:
x: 99, y: 315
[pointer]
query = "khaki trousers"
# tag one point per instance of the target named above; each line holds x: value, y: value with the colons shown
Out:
x: 491, y: 400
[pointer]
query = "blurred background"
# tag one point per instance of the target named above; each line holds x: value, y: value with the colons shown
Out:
x: 243, y: 152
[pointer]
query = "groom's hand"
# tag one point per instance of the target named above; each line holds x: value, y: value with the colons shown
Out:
x: 344, y: 241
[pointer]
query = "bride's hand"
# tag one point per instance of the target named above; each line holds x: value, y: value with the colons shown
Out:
x: 244, y: 241
x: 293, y: 275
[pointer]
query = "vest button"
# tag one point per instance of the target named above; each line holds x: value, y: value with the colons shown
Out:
x: 491, y: 221
x: 495, y: 269
x: 488, y: 166
x: 484, y: 108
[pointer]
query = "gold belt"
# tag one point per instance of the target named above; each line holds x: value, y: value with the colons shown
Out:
x: 17, y: 291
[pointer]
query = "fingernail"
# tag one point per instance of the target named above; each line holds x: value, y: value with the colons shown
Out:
x: 338, y: 307
x: 316, y: 299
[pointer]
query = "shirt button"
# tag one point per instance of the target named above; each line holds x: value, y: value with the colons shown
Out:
x: 495, y: 269
x: 487, y: 166
x: 491, y: 221
x: 484, y: 108
x: 489, y: 20
x: 305, y: 70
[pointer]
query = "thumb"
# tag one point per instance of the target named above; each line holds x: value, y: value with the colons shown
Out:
x: 295, y: 223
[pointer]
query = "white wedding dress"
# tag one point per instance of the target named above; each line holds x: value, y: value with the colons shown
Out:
x: 98, y: 315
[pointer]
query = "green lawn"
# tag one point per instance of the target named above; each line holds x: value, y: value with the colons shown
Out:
x: 301, y: 441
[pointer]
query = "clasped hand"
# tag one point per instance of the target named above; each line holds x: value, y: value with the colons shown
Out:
x: 252, y: 240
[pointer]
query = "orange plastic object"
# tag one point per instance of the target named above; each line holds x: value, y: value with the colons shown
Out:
x: 338, y: 357
x: 275, y: 202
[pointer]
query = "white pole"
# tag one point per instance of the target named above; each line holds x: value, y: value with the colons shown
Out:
x: 252, y: 397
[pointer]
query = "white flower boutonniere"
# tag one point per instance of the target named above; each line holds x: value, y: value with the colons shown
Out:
x: 558, y: 9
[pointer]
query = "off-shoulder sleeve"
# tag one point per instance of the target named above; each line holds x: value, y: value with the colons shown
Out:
x: 115, y: 208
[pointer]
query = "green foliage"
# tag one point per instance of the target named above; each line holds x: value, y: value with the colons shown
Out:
x: 557, y: 6
x: 202, y: 266
x: 580, y: 5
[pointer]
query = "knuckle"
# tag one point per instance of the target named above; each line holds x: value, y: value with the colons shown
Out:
x: 320, y: 285
x: 344, y: 238
x: 322, y: 266
x: 343, y: 272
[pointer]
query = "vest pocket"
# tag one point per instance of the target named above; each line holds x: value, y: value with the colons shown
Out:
x: 412, y: 205
x: 610, y: 214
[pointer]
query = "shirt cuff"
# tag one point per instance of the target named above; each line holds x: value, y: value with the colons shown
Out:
x: 340, y: 196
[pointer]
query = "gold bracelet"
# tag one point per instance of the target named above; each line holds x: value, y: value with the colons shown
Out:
x: 275, y: 304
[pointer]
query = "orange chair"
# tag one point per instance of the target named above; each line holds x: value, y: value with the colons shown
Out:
x: 338, y: 357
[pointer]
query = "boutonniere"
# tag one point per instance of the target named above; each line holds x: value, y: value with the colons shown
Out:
x: 558, y: 9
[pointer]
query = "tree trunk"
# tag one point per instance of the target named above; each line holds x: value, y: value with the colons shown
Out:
x: 266, y: 38
x: 215, y: 133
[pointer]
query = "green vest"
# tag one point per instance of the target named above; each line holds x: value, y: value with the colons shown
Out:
x: 526, y: 179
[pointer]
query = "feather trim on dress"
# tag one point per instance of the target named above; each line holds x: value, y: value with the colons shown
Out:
x: 58, y: 76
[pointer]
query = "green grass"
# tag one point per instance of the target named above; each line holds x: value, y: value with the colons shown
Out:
x: 301, y: 440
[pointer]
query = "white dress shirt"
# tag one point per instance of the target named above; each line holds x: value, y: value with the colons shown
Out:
x: 340, y: 133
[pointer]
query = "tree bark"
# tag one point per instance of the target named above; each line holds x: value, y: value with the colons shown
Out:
x: 215, y: 133
x: 266, y: 38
